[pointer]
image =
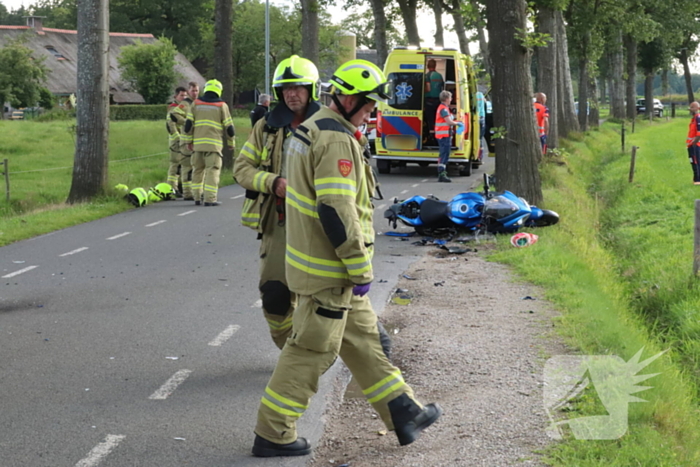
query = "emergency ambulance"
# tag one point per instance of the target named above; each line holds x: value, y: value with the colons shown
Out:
x: 403, y: 132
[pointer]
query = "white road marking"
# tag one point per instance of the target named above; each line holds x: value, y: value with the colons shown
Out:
x: 155, y: 223
x: 17, y: 273
x: 101, y: 451
x: 225, y: 335
x: 187, y: 212
x: 170, y: 385
x: 403, y: 192
x: 257, y: 304
x: 237, y: 196
x: 74, y: 251
x: 415, y: 185
x: 119, y: 236
x: 381, y: 206
x: 425, y: 180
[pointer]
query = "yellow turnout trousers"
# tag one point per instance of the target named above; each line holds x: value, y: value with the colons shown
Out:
x: 185, y: 168
x: 277, y: 301
x: 205, y: 175
x: 330, y: 323
x: 175, y: 157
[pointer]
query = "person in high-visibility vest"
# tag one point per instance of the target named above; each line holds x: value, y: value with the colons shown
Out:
x: 693, y: 141
x: 330, y: 242
x: 208, y: 124
x: 542, y: 116
x: 179, y: 115
x: 174, y: 131
x: 443, y: 133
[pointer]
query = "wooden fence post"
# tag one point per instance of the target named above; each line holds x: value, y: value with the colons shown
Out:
x: 696, y: 244
x: 6, y: 172
x: 622, y: 136
x: 632, y: 161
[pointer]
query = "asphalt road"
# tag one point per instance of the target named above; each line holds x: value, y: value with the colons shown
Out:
x: 137, y: 340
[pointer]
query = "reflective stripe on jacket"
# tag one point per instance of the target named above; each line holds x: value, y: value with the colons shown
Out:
x: 442, y: 128
x: 330, y: 237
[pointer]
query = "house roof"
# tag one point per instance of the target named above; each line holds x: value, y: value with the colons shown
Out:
x: 60, y: 47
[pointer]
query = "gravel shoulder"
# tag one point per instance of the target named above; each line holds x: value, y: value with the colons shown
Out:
x: 472, y: 343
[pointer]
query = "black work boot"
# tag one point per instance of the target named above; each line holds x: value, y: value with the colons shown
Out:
x: 409, y: 420
x: 442, y: 177
x: 265, y: 448
x: 215, y: 203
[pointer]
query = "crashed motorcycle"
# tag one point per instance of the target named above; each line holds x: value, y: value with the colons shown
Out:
x: 493, y: 212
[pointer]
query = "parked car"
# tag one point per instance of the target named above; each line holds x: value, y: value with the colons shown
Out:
x: 658, y: 107
x: 17, y: 115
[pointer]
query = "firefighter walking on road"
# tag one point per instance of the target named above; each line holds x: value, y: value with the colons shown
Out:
x: 330, y: 242
x: 208, y: 124
x: 261, y: 170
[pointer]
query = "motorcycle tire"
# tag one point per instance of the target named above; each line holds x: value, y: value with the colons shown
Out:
x: 548, y: 218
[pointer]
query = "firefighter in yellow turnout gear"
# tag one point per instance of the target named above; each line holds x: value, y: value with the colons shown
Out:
x: 329, y: 266
x: 174, y: 131
x: 179, y: 116
x: 208, y: 124
x: 261, y: 170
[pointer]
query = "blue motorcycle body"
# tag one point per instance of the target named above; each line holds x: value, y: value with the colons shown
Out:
x: 491, y: 212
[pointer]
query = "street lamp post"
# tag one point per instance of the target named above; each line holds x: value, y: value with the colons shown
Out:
x: 267, y: 47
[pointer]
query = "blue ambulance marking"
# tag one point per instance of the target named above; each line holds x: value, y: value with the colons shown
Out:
x: 408, y: 66
x: 403, y: 91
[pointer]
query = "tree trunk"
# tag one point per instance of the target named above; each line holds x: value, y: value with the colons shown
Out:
x: 583, y: 93
x: 686, y: 74
x: 631, y: 82
x: 483, y: 46
x: 460, y: 28
x: 649, y: 93
x: 439, y: 30
x: 547, y: 71
x: 380, y: 31
x: 91, y: 150
x: 309, y: 29
x: 594, y: 113
x: 223, y: 65
x: 408, y: 12
x: 565, y: 109
x: 617, y: 88
x: 519, y: 150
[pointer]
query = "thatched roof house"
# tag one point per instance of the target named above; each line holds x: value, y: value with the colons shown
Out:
x: 60, y: 47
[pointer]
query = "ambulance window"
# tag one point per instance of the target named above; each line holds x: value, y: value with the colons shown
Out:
x: 408, y: 91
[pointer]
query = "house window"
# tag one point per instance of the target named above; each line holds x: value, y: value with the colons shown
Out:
x: 55, y: 52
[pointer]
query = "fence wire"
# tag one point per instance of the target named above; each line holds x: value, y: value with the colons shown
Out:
x: 70, y: 167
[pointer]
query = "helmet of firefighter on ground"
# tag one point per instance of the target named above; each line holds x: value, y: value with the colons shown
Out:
x: 121, y: 188
x: 138, y: 197
x: 297, y: 71
x: 165, y: 191
x: 213, y: 85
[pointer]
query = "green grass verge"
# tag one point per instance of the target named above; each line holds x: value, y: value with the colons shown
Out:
x: 40, y: 164
x: 619, y: 248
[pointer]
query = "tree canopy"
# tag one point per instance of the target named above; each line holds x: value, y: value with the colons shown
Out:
x: 22, y: 75
x: 150, y: 69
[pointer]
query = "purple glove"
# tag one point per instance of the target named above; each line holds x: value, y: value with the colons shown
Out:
x: 361, y: 289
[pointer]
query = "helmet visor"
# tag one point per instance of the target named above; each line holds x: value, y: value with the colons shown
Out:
x: 382, y: 93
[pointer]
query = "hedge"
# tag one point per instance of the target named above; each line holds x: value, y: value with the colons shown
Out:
x: 138, y: 112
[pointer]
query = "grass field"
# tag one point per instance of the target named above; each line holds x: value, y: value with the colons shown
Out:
x: 40, y: 159
x: 619, y: 267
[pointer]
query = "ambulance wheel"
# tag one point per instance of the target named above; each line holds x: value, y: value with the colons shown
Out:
x: 465, y: 170
x: 424, y: 164
x: 383, y: 166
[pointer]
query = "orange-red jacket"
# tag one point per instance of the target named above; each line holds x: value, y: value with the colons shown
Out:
x: 442, y: 128
x: 693, y: 130
x: 542, y: 113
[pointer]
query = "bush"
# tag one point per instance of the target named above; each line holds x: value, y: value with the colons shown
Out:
x: 138, y: 112
x: 55, y: 114
x: 150, y: 69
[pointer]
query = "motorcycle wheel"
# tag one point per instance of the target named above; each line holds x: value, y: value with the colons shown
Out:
x: 548, y: 218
